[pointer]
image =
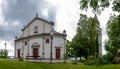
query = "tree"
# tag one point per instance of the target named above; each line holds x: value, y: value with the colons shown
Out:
x: 3, y: 53
x: 113, y: 31
x: 85, y: 42
x: 68, y: 49
x: 99, y: 5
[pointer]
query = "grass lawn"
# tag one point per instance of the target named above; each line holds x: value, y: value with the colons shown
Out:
x: 10, y: 64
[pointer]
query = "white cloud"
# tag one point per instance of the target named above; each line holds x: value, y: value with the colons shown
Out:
x: 15, y: 23
x: 67, y: 16
x: 1, y: 14
x: 45, y: 13
x: 1, y: 20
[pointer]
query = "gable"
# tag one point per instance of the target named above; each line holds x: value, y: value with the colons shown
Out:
x: 37, y: 26
x: 38, y: 18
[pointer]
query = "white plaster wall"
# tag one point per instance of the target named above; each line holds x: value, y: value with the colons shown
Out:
x: 47, y: 47
x: 25, y: 51
x: 42, y: 27
x: 32, y: 41
x: 25, y: 32
x: 48, y: 27
x: 58, y: 42
x: 37, y: 23
x: 18, y: 46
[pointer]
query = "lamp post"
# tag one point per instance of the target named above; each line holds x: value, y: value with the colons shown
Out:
x: 5, y: 55
x: 5, y: 45
x: 51, y: 34
x: 64, y: 37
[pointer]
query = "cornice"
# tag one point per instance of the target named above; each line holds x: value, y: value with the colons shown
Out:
x: 40, y: 35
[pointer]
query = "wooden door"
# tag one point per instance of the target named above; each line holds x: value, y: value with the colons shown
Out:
x: 58, y: 53
x: 18, y: 53
x: 35, y: 53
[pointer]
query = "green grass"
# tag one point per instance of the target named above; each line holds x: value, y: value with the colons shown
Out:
x: 10, y: 64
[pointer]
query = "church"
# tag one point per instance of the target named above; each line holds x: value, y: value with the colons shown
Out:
x: 40, y: 41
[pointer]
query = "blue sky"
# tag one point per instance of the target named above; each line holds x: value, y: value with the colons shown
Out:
x: 14, y: 14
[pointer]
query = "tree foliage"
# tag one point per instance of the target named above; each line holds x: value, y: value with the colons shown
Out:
x: 85, y: 42
x: 99, y: 5
x: 68, y: 49
x: 3, y: 53
x: 113, y: 32
x: 116, y: 5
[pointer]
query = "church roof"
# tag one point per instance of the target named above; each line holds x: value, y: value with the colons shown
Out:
x: 38, y: 18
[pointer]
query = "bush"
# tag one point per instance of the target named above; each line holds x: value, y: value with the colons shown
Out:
x: 90, y: 61
x: 116, y: 60
x: 103, y: 60
x: 20, y: 59
x: 3, y: 53
x: 65, y: 55
x: 82, y: 59
x: 106, y: 59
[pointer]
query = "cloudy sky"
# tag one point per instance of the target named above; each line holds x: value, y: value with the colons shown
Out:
x: 14, y: 14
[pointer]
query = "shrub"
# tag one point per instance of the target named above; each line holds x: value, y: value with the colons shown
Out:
x: 3, y: 53
x: 65, y: 55
x: 90, y: 61
x: 116, y: 60
x: 90, y: 58
x: 103, y: 60
x: 106, y: 59
x: 82, y: 59
x: 20, y: 59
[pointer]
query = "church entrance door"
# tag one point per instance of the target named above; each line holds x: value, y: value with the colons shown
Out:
x: 18, y: 53
x: 35, y: 53
x: 58, y: 53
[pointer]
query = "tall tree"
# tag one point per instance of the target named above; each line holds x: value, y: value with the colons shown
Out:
x: 85, y: 42
x: 68, y: 49
x: 113, y: 31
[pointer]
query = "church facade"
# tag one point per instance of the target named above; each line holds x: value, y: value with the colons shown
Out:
x: 39, y: 40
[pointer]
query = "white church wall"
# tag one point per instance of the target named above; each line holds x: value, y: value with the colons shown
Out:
x: 58, y: 42
x: 47, y: 47
x: 37, y: 23
x: 48, y: 27
x: 43, y: 27
x: 25, y: 32
x: 32, y: 41
x: 18, y: 46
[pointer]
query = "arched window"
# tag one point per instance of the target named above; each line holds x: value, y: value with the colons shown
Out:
x: 35, y: 29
